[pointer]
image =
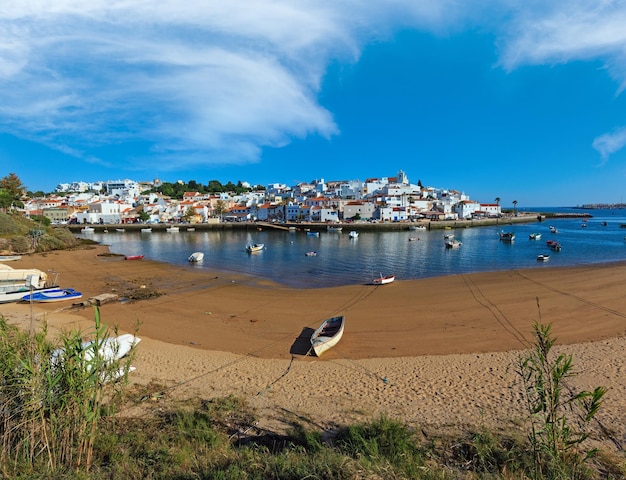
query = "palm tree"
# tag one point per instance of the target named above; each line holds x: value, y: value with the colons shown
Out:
x: 497, y: 200
x: 514, y: 206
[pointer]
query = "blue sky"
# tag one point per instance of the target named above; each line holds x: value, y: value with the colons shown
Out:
x: 520, y: 100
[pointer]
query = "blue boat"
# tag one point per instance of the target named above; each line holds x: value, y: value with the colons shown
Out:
x: 56, y: 295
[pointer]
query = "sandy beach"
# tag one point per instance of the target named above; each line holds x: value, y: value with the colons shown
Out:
x: 438, y: 353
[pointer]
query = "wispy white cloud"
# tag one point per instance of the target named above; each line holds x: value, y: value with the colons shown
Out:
x: 206, y: 79
x: 610, y: 143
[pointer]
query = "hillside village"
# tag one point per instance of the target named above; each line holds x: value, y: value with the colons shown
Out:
x: 386, y: 199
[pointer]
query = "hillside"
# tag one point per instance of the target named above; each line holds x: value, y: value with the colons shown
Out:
x: 22, y: 235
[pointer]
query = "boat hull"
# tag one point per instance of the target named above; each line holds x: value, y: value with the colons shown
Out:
x: 327, y: 335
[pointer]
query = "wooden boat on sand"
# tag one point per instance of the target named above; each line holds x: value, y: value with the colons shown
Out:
x: 327, y: 335
x: 383, y: 280
x: 133, y: 257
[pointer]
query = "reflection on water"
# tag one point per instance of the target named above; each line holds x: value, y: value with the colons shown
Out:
x: 342, y: 260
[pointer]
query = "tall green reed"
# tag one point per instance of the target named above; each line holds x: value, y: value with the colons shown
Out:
x: 52, y: 397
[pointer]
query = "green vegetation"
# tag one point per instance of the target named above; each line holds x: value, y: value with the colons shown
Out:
x: 23, y: 235
x: 553, y: 407
x: 61, y: 420
x: 176, y: 190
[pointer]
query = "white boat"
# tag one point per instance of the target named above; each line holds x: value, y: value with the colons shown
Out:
x: 87, y: 230
x: 15, y: 293
x: 191, y: 229
x: 172, y: 229
x: 55, y: 295
x: 507, y: 236
x: 146, y: 230
x: 452, y: 243
x: 333, y: 229
x: 417, y: 227
x: 353, y: 234
x: 9, y: 258
x: 196, y: 257
x: 120, y: 230
x: 255, y: 247
x: 553, y: 229
x: 15, y: 276
x: 311, y: 254
x: 327, y: 335
x: 535, y: 236
x: 383, y: 280
x: 543, y: 258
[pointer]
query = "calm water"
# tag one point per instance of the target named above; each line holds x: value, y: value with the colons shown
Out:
x: 342, y: 261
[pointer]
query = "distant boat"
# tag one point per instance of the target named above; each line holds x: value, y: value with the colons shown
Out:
x: 384, y: 280
x: 311, y: 254
x: 452, y: 242
x: 417, y: 227
x: 9, y: 258
x: 327, y: 335
x: 120, y: 230
x: 191, y: 229
x: 55, y: 295
x: 133, y: 257
x: 556, y: 246
x: 353, y: 234
x: 507, y: 236
x: 543, y: 258
x: 313, y: 234
x: 196, y: 257
x: 333, y: 229
x: 553, y: 229
x: 535, y: 236
x: 172, y: 229
x: 255, y: 247
x: 146, y: 230
x: 87, y: 229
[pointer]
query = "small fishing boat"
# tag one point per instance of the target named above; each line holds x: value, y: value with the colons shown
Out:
x: 452, y: 243
x: 191, y: 229
x: 196, y: 257
x: 254, y: 247
x: 334, y: 229
x: 327, y: 335
x: 55, y: 295
x: 87, y: 230
x: 383, y: 280
x: 133, y: 257
x: 507, y: 236
x: 120, y: 230
x: 353, y: 234
x: 313, y: 234
x: 556, y: 246
x: 553, y: 229
x: 146, y: 230
x: 9, y: 258
x: 417, y: 227
x: 534, y: 236
x: 543, y: 258
x: 311, y: 254
x: 172, y: 229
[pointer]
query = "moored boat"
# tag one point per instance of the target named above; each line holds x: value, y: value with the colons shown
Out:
x: 353, y: 234
x: 535, y: 236
x: 313, y: 234
x: 196, y: 257
x: 417, y: 227
x: 334, y: 229
x: 507, y: 236
x: 133, y: 257
x: 254, y: 247
x: 383, y: 280
x: 452, y: 242
x: 543, y: 257
x: 9, y: 258
x: 87, y: 230
x: 54, y: 295
x: 146, y: 230
x: 172, y: 229
x: 311, y: 254
x: 327, y: 334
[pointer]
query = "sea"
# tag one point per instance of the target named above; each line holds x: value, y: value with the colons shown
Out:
x: 341, y: 260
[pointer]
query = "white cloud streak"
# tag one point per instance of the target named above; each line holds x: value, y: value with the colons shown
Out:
x: 211, y: 81
x: 610, y: 143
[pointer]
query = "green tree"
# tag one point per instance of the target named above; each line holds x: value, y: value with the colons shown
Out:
x: 514, y: 207
x: 144, y: 216
x: 220, y: 208
x: 497, y: 200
